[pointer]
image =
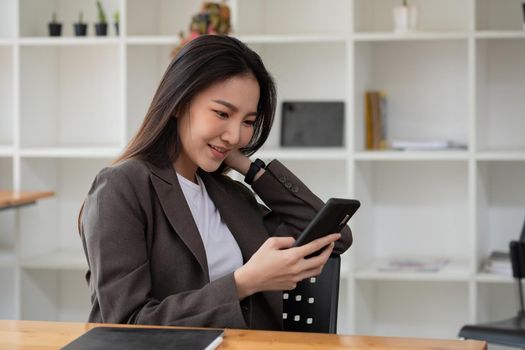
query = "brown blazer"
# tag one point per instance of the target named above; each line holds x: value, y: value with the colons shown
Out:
x: 147, y: 263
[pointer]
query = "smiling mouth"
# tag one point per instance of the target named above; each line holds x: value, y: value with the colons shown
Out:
x: 220, y: 150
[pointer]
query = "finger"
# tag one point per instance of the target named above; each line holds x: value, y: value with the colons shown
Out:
x: 317, y: 244
x: 280, y: 242
x: 316, y: 261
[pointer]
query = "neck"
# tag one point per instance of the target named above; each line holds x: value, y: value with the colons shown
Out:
x: 185, y: 168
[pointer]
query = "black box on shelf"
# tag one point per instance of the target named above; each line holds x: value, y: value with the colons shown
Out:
x: 312, y: 124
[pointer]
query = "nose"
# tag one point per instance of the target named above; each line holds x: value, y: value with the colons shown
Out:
x: 232, y: 133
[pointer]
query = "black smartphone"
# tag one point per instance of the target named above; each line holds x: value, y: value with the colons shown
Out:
x: 332, y: 218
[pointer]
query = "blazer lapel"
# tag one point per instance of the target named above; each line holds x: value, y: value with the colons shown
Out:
x: 177, y: 211
x: 243, y: 220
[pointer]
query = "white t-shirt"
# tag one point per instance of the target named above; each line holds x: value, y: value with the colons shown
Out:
x: 222, y: 251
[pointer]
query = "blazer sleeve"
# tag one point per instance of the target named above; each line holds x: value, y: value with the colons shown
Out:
x: 113, y: 229
x: 292, y: 205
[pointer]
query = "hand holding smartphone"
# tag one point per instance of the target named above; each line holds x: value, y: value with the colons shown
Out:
x: 332, y: 218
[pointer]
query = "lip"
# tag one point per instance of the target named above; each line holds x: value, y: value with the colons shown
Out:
x: 218, y: 154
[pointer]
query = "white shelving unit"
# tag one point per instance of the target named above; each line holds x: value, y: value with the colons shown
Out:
x: 68, y: 106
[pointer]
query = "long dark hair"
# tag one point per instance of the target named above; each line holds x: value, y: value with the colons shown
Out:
x: 202, y: 62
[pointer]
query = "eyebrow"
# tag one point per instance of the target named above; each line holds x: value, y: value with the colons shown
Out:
x: 232, y: 107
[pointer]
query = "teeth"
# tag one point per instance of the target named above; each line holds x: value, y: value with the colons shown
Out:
x: 222, y: 150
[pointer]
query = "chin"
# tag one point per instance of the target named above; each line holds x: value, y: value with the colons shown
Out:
x: 210, y: 167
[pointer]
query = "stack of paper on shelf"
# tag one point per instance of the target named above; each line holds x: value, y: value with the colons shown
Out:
x: 499, y: 263
x: 375, y: 120
x: 413, y: 265
x: 426, y: 145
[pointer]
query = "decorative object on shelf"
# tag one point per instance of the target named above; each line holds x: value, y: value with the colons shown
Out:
x: 312, y: 124
x: 213, y: 18
x: 405, y: 18
x: 116, y: 18
x: 80, y: 27
x: 498, y: 262
x: 101, y: 27
x: 55, y: 27
x: 375, y: 120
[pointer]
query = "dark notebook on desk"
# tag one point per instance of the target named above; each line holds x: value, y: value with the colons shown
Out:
x: 147, y: 338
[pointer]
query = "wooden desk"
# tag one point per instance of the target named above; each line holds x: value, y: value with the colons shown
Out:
x: 10, y: 199
x: 16, y: 335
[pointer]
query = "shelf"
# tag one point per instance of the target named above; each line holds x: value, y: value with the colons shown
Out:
x: 271, y: 17
x: 249, y: 39
x: 454, y: 271
x: 423, y: 36
x: 391, y: 155
x: 69, y: 104
x: 6, y: 151
x: 69, y: 41
x: 10, y: 199
x: 7, y: 113
x: 501, y: 155
x: 500, y: 34
x: 291, y: 39
x: 7, y: 258
x: 493, y: 278
x: 303, y: 154
x: 70, y: 152
x: 433, y: 15
x: 67, y: 93
x: 499, y: 94
x: 152, y: 40
x: 57, y: 260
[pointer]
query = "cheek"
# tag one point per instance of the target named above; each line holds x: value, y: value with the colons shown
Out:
x: 246, y: 136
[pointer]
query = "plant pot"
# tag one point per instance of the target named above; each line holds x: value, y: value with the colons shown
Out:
x: 80, y: 29
x: 117, y: 31
x: 405, y: 18
x: 55, y: 29
x: 101, y: 29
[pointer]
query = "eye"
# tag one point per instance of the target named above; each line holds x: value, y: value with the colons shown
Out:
x: 249, y: 122
x: 221, y: 114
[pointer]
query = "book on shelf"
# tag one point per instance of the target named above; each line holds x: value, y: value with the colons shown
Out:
x: 426, y: 145
x: 498, y: 262
x: 413, y: 265
x: 375, y: 120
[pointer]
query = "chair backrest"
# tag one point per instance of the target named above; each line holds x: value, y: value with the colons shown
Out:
x: 522, y: 235
x: 312, y: 305
x: 517, y: 258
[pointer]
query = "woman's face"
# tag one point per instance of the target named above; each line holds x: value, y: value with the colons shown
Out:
x: 220, y: 119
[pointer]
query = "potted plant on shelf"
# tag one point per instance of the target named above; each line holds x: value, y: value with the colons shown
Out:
x: 405, y: 17
x: 101, y: 27
x: 213, y: 18
x: 80, y: 27
x: 116, y: 18
x: 55, y: 28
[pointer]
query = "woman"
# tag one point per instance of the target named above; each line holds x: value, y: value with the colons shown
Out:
x: 169, y: 239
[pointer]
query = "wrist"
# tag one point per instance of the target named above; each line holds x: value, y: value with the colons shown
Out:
x: 242, y: 283
x: 239, y: 163
x: 255, y: 170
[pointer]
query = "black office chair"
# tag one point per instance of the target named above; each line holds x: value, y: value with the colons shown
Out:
x: 509, y: 332
x: 312, y: 305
